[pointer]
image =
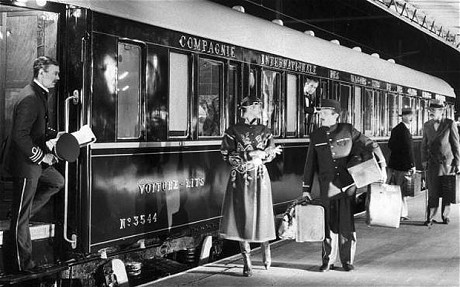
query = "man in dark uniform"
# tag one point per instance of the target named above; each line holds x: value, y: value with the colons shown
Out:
x: 402, y: 160
x: 328, y: 156
x: 29, y: 160
x: 440, y: 153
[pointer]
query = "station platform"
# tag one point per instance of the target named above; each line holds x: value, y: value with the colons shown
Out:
x: 411, y: 255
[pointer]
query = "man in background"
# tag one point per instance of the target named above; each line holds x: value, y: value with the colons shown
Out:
x: 402, y: 160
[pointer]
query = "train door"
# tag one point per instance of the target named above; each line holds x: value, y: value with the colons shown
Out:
x: 25, y: 34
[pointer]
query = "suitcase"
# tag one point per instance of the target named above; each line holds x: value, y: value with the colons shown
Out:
x: 310, y: 222
x: 366, y: 172
x: 412, y: 184
x: 384, y: 204
x: 451, y: 188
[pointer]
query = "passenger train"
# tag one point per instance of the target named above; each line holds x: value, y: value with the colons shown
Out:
x: 158, y: 82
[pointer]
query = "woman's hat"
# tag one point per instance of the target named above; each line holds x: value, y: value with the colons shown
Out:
x: 436, y: 104
x: 250, y: 100
x: 331, y: 104
x: 406, y: 111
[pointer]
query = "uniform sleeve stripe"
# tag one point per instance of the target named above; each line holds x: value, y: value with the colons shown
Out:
x: 37, y: 154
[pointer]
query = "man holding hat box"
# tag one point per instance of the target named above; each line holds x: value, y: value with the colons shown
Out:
x: 328, y: 156
x: 402, y: 159
x: 440, y: 156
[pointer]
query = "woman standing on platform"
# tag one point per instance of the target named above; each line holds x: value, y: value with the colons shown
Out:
x: 247, y: 213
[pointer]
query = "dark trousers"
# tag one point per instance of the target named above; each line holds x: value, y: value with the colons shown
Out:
x: 29, y: 196
x: 340, y: 232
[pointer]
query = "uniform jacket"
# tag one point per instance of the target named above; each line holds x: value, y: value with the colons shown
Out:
x: 440, y: 147
x: 329, y: 153
x: 26, y: 145
x: 401, y: 147
x: 247, y: 212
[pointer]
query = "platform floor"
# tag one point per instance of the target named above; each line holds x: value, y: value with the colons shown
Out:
x: 412, y: 255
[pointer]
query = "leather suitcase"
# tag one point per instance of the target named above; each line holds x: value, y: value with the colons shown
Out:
x: 451, y: 188
x: 310, y: 222
x: 384, y: 204
x: 412, y: 184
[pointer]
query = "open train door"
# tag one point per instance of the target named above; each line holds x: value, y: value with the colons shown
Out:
x: 28, y: 31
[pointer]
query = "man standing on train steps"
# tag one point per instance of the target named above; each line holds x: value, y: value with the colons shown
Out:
x: 328, y: 156
x: 29, y: 160
x: 402, y: 159
x: 440, y: 151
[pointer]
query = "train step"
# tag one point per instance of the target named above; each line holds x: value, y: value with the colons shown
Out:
x: 43, y: 250
x: 48, y: 273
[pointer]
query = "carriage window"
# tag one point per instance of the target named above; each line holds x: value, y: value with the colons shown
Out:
x: 271, y: 89
x: 393, y: 110
x: 357, y: 110
x: 369, y: 114
x: 345, y: 103
x: 291, y: 105
x: 232, y: 91
x: 382, y: 124
x: 128, y: 91
x: 178, y: 94
x: 419, y: 108
x: 209, y: 91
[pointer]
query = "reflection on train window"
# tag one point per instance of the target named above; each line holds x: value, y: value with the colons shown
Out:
x: 271, y: 89
x: 178, y: 94
x: 345, y: 103
x: 291, y: 105
x: 128, y: 91
x: 209, y: 91
x: 393, y: 111
x: 369, y: 115
x: 232, y: 95
x: 357, y: 109
x: 382, y: 122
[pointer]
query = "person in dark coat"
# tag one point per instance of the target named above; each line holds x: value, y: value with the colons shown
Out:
x: 328, y: 155
x: 29, y: 160
x: 440, y: 153
x: 247, y: 212
x: 402, y: 160
x: 310, y: 102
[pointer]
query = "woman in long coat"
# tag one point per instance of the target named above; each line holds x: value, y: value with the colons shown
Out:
x: 248, y: 208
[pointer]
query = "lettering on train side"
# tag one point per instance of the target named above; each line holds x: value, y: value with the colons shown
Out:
x: 138, y: 220
x: 207, y: 46
x: 282, y: 63
x: 158, y: 186
x: 334, y: 75
x: 358, y: 80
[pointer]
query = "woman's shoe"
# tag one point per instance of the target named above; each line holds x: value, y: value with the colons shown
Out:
x: 266, y: 255
x: 247, y: 271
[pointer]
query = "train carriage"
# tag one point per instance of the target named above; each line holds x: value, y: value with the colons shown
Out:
x: 159, y: 82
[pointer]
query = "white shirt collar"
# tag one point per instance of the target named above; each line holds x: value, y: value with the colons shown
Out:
x: 407, y: 125
x: 41, y: 86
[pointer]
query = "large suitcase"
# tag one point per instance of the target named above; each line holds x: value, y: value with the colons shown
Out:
x: 384, y: 204
x: 310, y: 222
x: 451, y: 188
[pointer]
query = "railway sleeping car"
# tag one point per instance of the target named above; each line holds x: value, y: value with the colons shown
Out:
x: 158, y: 82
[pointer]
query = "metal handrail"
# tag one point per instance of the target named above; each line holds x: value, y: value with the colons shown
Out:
x: 72, y: 241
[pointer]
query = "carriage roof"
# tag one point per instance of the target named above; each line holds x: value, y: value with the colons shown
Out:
x: 217, y: 22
